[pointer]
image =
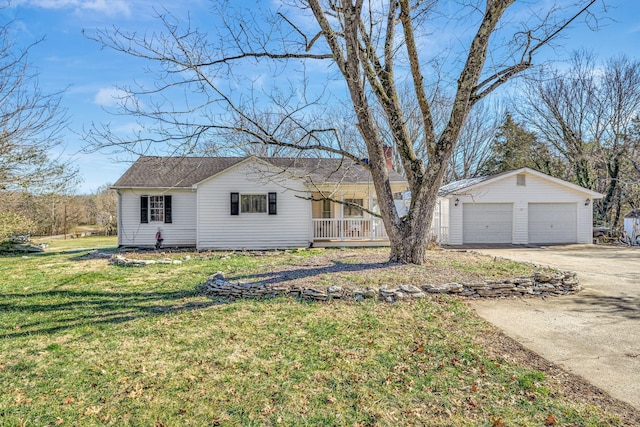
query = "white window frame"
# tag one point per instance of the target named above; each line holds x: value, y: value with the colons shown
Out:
x: 256, y: 206
x: 327, y: 208
x: 156, y: 208
x: 351, y: 211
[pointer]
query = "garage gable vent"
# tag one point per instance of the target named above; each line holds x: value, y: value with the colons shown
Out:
x: 521, y: 179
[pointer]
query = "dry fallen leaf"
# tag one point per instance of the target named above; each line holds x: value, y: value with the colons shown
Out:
x: 550, y: 421
x: 22, y: 399
x: 496, y: 422
x: 93, y: 410
x: 68, y: 400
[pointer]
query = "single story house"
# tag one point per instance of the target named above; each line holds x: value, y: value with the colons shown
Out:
x: 249, y: 203
x: 234, y: 203
x: 522, y: 206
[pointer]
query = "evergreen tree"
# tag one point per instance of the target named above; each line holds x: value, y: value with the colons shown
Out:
x: 514, y: 147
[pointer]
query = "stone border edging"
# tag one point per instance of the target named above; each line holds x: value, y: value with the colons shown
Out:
x: 541, y: 284
x: 122, y: 261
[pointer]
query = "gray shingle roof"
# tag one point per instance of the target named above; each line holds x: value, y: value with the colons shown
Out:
x: 456, y: 186
x: 184, y: 172
x: 633, y: 214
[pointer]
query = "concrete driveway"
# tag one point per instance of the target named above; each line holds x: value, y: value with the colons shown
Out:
x: 595, y: 333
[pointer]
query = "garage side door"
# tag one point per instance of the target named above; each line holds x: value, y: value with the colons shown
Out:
x: 487, y: 222
x: 553, y: 223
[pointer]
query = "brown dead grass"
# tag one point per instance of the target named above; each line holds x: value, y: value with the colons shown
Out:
x: 370, y: 267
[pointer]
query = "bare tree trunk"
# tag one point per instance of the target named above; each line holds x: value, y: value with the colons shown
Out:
x: 410, y: 239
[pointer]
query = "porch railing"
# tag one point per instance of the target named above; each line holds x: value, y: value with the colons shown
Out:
x: 361, y: 229
x: 348, y: 229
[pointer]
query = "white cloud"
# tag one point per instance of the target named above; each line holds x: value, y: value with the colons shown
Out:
x: 111, y: 97
x: 106, y: 7
x: 128, y: 128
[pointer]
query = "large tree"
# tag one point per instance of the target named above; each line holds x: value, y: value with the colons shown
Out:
x: 30, y: 125
x: 373, y: 50
x: 586, y: 113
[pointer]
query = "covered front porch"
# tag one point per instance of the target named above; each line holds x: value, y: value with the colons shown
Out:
x: 335, y: 232
x: 347, y: 220
x: 341, y: 223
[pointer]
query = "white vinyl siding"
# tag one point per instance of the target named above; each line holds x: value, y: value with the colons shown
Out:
x: 537, y: 190
x: 487, y: 223
x: 553, y: 223
x: 218, y: 229
x: 181, y: 231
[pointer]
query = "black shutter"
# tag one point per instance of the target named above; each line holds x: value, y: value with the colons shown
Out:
x: 235, y: 203
x: 144, y: 209
x: 273, y: 205
x: 167, y: 210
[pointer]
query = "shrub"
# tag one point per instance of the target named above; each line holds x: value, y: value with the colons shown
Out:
x: 13, y: 226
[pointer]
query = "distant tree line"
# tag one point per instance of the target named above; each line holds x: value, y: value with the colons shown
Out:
x: 56, y: 214
x: 580, y: 124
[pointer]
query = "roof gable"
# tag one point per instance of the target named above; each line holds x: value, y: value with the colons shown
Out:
x: 465, y: 185
x: 172, y: 172
x: 633, y: 214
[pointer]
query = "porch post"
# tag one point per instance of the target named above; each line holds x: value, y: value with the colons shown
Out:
x: 341, y: 224
x: 371, y: 218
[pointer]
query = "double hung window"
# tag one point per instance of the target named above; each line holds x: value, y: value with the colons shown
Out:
x: 351, y: 211
x: 253, y: 203
x: 155, y: 209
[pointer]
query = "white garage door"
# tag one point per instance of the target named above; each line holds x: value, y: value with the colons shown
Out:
x: 553, y: 223
x: 487, y: 222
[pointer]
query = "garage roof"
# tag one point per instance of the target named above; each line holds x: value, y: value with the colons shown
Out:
x: 464, y: 185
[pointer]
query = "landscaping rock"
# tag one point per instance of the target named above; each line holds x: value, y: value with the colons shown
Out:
x: 541, y: 284
x: 444, y: 289
x: 121, y: 260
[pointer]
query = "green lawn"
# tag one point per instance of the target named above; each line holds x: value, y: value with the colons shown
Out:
x: 86, y: 343
x: 92, y: 242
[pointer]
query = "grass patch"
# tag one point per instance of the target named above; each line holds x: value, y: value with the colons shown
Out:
x: 86, y: 343
x: 69, y: 244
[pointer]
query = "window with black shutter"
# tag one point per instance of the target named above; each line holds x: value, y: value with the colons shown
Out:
x: 144, y: 209
x: 156, y: 209
x: 168, y: 219
x: 235, y: 203
x: 273, y: 205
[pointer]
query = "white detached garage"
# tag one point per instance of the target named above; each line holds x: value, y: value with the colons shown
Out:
x: 523, y: 206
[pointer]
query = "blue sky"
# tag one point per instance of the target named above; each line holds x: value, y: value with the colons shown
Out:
x: 67, y: 59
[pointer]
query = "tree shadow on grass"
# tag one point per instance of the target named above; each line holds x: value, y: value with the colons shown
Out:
x: 275, y: 277
x: 628, y: 307
x: 63, y: 309
x: 81, y: 254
